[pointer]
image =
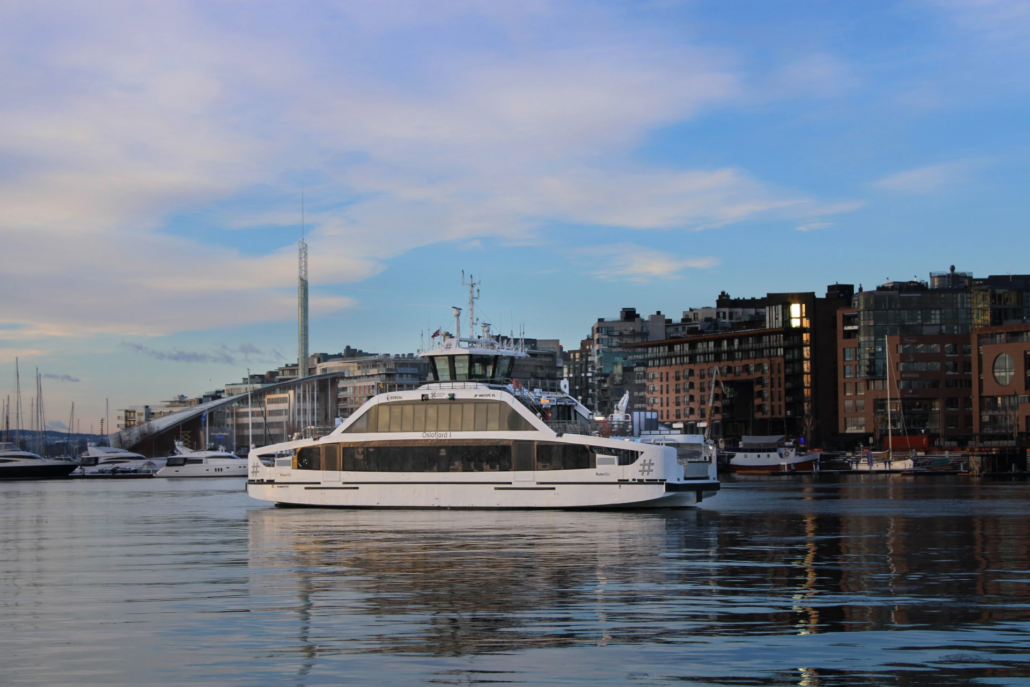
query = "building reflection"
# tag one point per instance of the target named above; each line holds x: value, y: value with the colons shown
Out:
x: 841, y: 558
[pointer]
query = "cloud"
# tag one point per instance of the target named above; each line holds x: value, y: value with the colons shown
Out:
x: 8, y: 355
x: 922, y: 180
x: 813, y: 226
x: 56, y: 426
x: 61, y: 378
x: 222, y: 355
x: 817, y: 74
x: 1000, y: 24
x: 637, y: 264
x: 128, y: 130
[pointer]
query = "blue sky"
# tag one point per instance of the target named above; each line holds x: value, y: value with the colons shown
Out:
x: 578, y: 157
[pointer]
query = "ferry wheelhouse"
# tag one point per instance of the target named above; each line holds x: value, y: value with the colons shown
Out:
x: 473, y: 438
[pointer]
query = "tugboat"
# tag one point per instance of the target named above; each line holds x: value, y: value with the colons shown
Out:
x: 474, y: 437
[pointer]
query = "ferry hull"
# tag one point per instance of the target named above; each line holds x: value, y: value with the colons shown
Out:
x: 801, y: 466
x: 493, y: 495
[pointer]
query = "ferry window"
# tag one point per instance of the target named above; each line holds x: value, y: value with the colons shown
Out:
x: 481, y: 416
x: 354, y: 459
x: 689, y: 452
x: 504, y: 366
x: 309, y: 458
x: 455, y: 423
x: 522, y: 455
x: 497, y: 458
x: 428, y: 458
x: 625, y: 456
x: 395, y: 417
x: 515, y: 422
x: 482, y: 367
x: 442, y: 367
x: 563, y: 457
x: 331, y: 457
x: 461, y: 367
x: 360, y: 424
x: 446, y: 416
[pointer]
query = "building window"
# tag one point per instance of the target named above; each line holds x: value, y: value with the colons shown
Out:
x: 849, y: 389
x: 849, y: 354
x: 849, y: 371
x: 849, y: 406
x: 854, y: 424
x: 1004, y: 369
x: 860, y: 405
x: 859, y: 388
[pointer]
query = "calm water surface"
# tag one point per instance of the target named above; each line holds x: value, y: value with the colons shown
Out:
x: 866, y: 580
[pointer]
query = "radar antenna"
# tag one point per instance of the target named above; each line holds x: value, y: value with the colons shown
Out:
x: 473, y: 297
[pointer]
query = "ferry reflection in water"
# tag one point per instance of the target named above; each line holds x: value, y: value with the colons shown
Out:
x: 853, y: 581
x: 871, y: 580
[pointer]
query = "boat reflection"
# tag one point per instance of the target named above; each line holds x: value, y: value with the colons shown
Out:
x: 454, y: 583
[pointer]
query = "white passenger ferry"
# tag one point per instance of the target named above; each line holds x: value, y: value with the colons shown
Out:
x: 472, y: 438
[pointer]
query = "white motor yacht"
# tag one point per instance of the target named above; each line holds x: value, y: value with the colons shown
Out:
x: 16, y: 464
x: 190, y: 463
x: 107, y: 461
x: 473, y: 438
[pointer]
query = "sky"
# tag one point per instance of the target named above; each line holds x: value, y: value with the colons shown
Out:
x: 576, y: 157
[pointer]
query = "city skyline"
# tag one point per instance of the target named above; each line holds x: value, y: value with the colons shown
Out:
x: 578, y: 158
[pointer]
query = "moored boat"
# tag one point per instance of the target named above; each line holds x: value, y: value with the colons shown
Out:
x: 16, y: 464
x: 768, y: 454
x: 107, y: 462
x: 190, y: 463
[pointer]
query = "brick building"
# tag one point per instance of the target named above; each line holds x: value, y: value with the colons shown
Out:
x: 924, y: 328
x: 1001, y: 370
x: 779, y: 378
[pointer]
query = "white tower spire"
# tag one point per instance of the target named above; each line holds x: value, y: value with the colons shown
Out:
x: 302, y: 299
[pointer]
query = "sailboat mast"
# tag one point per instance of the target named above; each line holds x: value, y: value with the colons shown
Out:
x: 890, y: 434
x: 250, y: 414
x: 17, y: 393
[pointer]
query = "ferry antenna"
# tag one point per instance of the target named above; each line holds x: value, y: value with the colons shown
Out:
x: 473, y: 297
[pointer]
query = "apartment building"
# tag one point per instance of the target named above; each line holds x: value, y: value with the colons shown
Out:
x: 1001, y: 392
x: 923, y: 330
x: 777, y: 378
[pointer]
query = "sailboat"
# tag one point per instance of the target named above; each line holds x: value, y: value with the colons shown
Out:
x: 884, y: 461
x: 16, y: 464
